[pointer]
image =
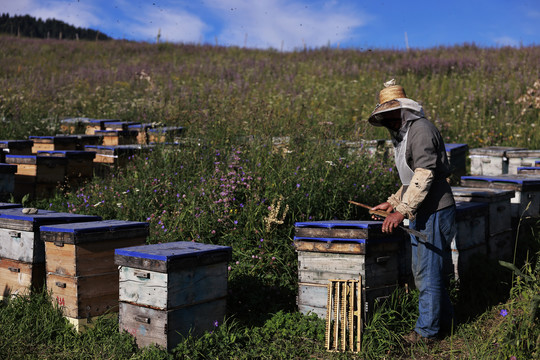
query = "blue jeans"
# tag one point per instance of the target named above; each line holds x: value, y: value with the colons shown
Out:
x: 431, y: 268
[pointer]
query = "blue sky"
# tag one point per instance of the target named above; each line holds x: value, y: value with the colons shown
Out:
x: 288, y: 25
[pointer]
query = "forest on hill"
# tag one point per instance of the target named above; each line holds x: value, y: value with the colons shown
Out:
x: 29, y: 26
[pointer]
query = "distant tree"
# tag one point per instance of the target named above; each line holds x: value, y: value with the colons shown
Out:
x: 31, y: 27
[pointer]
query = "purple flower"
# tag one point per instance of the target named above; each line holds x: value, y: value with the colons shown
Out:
x: 503, y: 312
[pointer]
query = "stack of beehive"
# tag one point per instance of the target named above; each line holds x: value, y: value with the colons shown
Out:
x: 22, y: 250
x: 86, y: 147
x: 346, y: 250
x: 170, y: 290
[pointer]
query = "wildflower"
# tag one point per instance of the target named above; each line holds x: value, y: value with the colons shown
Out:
x: 503, y: 312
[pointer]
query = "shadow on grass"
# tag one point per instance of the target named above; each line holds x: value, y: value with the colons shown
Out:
x: 251, y: 301
x: 487, y: 283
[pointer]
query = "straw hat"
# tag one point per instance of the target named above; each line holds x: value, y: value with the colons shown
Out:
x: 389, y: 99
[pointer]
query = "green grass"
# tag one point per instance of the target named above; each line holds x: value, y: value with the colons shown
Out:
x: 229, y: 183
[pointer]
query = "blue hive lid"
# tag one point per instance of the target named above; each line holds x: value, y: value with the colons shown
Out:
x: 346, y: 224
x: 341, y: 224
x: 68, y: 153
x: 75, y: 120
x: 16, y: 219
x: 172, y: 251
x: 94, y: 226
x: 4, y: 205
x: 520, y: 179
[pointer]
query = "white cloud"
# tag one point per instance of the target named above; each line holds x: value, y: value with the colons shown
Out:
x: 174, y: 25
x: 79, y: 14
x: 506, y: 41
x: 273, y: 23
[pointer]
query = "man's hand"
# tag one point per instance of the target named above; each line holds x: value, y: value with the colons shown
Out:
x: 392, y: 221
x: 385, y: 206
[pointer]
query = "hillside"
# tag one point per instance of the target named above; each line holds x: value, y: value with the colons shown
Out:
x: 29, y: 26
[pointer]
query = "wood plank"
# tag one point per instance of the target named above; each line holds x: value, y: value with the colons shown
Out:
x: 168, y: 327
x: 168, y: 291
x: 26, y: 169
x: 330, y: 247
x: 17, y: 277
x: 84, y: 296
x: 138, y: 235
x: 379, y: 270
x: 85, y: 259
x: 351, y: 233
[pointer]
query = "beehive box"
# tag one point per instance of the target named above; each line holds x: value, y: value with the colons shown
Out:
x: 457, y: 158
x: 44, y: 169
x: 37, y: 175
x: 119, y: 125
x: 94, y: 125
x: 51, y: 143
x: 470, y: 238
x: 7, y: 179
x: 345, y: 250
x: 82, y: 139
x: 142, y: 129
x: 112, y: 156
x: 499, y: 228
x: 7, y: 205
x: 17, y: 147
x: 81, y: 273
x: 79, y: 164
x: 170, y: 290
x: 76, y: 125
x: 498, y: 200
x: 525, y: 203
x: 117, y: 137
x: 163, y: 134
x: 22, y: 245
x: 521, y: 158
x: 491, y: 160
x: 531, y: 170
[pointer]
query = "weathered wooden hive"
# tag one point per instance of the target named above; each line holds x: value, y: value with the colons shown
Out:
x: 76, y: 125
x: 490, y: 160
x: 346, y: 250
x: 81, y: 274
x: 22, y: 250
x: 142, y: 130
x: 117, y: 137
x: 470, y: 238
x: 37, y: 175
x: 525, y: 203
x: 79, y: 165
x: 16, y: 147
x: 51, y: 143
x: 108, y: 157
x: 93, y: 125
x: 500, y: 239
x: 119, y: 125
x: 170, y: 290
x: 521, y: 158
x: 164, y: 134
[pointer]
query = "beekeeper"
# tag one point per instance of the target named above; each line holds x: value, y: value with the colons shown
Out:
x: 425, y: 198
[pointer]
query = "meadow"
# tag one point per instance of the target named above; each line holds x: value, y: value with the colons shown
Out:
x: 265, y: 146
